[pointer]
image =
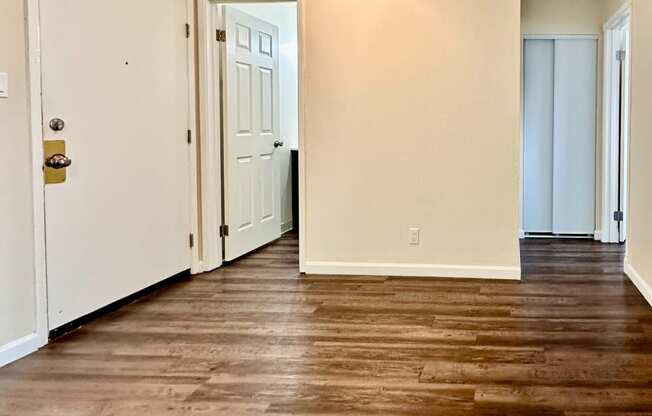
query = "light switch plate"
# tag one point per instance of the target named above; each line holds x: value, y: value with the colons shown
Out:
x: 4, y: 85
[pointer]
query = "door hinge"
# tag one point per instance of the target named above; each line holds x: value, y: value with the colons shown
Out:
x: 620, y: 55
x: 189, y: 136
x: 619, y: 216
x: 188, y: 30
x: 191, y: 240
x: 220, y: 35
x: 224, y: 231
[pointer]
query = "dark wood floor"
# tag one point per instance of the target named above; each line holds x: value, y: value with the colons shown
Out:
x: 574, y: 338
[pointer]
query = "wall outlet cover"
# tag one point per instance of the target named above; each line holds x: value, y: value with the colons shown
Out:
x: 4, y: 85
x: 415, y: 236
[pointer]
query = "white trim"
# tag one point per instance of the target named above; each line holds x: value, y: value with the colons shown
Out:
x: 286, y: 227
x: 610, y: 124
x: 521, y: 179
x: 210, y: 154
x: 597, y: 235
x: 196, y: 264
x: 641, y: 284
x: 303, y: 93
x: 591, y: 36
x: 18, y: 349
x: 38, y: 196
x: 560, y: 236
x: 619, y: 17
x: 413, y: 270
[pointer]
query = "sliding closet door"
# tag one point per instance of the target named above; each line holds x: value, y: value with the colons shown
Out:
x: 539, y: 57
x: 574, y: 136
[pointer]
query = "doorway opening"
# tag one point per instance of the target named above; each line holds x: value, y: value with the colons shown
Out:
x: 616, y: 102
x: 248, y: 101
x: 575, y: 135
x: 560, y: 75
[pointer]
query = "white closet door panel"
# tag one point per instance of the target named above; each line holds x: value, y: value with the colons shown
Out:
x: 539, y: 56
x: 574, y: 136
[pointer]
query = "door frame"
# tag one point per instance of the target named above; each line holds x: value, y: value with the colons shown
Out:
x: 610, y: 150
x: 38, y: 186
x: 40, y: 337
x: 543, y: 36
x: 210, y: 115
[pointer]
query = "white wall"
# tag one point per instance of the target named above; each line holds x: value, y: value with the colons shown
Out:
x: 284, y: 15
x: 412, y: 120
x: 17, y: 283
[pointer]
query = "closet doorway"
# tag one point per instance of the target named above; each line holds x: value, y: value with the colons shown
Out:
x: 559, y: 136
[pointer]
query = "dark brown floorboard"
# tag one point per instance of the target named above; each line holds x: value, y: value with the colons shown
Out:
x: 574, y: 338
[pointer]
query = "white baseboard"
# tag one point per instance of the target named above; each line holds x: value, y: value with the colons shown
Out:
x: 287, y: 227
x: 644, y: 287
x: 18, y: 349
x: 412, y: 270
x: 597, y: 235
x: 521, y: 235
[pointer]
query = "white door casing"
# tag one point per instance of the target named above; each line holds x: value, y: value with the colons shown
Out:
x: 251, y: 128
x: 615, y: 125
x: 121, y: 221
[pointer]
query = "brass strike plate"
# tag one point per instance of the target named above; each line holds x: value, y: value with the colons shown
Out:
x: 50, y: 148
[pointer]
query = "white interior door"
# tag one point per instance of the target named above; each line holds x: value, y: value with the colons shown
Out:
x: 574, y: 136
x: 538, y: 77
x: 251, y: 133
x: 116, y: 73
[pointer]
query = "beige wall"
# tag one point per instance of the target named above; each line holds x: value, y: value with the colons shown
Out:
x: 412, y: 125
x: 612, y: 6
x: 639, y: 244
x: 17, y: 299
x: 575, y: 17
x: 563, y: 16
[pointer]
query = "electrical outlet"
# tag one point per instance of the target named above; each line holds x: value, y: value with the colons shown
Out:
x: 4, y: 85
x: 415, y: 236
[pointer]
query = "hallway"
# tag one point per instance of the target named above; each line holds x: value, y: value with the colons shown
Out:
x: 573, y: 338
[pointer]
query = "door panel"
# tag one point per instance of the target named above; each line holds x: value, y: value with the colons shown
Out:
x: 251, y: 126
x: 538, y: 138
x: 121, y: 220
x: 575, y: 136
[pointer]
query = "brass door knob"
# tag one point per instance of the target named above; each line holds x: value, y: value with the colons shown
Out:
x: 58, y: 161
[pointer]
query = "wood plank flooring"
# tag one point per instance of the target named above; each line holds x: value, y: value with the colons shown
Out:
x: 574, y: 338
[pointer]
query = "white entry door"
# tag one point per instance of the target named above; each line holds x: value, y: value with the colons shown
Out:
x: 116, y: 73
x: 251, y: 133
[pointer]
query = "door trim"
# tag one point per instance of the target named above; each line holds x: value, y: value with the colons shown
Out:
x: 36, y: 132
x: 197, y: 258
x: 210, y: 152
x: 610, y: 122
x: 209, y: 110
x: 38, y: 194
